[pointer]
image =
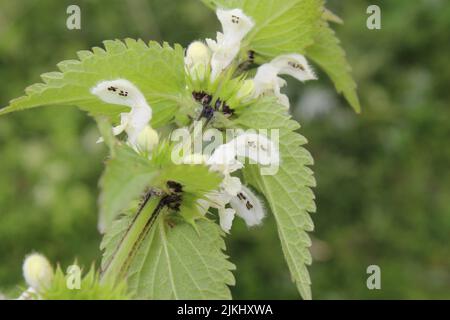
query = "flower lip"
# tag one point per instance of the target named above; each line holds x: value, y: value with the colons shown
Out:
x: 123, y: 92
x: 235, y: 26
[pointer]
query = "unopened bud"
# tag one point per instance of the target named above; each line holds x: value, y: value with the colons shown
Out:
x: 246, y: 90
x: 198, y: 56
x: 37, y: 271
x: 147, y: 139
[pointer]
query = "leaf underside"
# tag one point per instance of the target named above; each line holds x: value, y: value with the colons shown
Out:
x: 328, y: 54
x: 288, y: 192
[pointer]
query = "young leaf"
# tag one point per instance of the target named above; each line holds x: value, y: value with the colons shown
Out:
x: 126, y: 175
x: 158, y: 71
x: 282, y: 26
x: 328, y: 54
x: 182, y: 263
x: 90, y: 288
x: 288, y: 193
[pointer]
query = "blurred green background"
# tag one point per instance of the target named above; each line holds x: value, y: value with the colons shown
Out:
x: 383, y: 191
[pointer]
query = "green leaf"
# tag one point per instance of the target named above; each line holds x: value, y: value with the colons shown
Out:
x: 182, y: 263
x: 158, y: 71
x: 328, y: 54
x: 177, y: 262
x: 126, y: 176
x: 282, y: 26
x: 128, y: 173
x: 289, y: 191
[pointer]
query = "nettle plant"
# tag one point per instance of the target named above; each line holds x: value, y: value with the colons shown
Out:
x: 159, y: 212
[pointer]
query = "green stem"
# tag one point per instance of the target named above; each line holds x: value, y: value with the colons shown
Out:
x: 130, y: 243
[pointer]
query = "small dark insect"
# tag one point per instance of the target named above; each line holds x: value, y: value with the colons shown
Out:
x: 114, y: 89
x: 172, y: 201
x: 227, y: 110
x: 248, y: 205
x: 174, y: 186
x: 198, y: 95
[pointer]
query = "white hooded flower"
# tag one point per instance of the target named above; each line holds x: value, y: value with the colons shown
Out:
x: 123, y: 92
x: 198, y: 57
x: 235, y: 26
x: 267, y: 80
x: 231, y: 192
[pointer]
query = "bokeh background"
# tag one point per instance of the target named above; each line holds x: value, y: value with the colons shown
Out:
x: 383, y: 191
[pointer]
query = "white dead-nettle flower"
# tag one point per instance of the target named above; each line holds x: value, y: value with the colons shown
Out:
x: 267, y: 80
x: 38, y: 274
x: 243, y: 202
x: 123, y: 92
x: 197, y: 59
x: 235, y: 26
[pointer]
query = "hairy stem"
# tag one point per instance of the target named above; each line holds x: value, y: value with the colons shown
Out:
x: 132, y: 238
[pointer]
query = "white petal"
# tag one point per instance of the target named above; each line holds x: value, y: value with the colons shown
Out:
x: 138, y: 120
x: 294, y: 65
x: 218, y: 199
x: 248, y: 207
x: 123, y: 92
x: 235, y: 24
x: 266, y: 80
x: 119, y: 91
x: 212, y: 44
x: 224, y: 160
x: 231, y: 185
x: 257, y: 147
x: 226, y: 216
x: 223, y: 56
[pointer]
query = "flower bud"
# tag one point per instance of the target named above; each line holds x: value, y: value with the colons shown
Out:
x: 246, y: 90
x: 197, y: 59
x: 37, y: 271
x: 147, y: 139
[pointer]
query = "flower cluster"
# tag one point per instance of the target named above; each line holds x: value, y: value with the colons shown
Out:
x: 217, y: 56
x: 233, y: 198
x: 215, y: 62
